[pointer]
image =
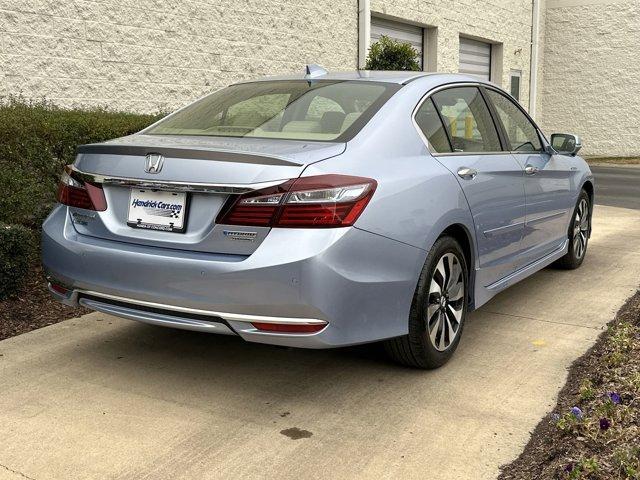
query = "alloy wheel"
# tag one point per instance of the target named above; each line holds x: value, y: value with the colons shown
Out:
x: 445, y: 308
x: 581, y: 229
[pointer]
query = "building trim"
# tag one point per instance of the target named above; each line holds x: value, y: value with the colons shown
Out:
x: 364, y: 31
x: 533, y: 66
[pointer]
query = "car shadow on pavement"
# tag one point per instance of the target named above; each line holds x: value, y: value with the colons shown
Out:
x: 183, y: 366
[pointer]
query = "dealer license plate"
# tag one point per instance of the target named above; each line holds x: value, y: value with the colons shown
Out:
x: 157, y: 210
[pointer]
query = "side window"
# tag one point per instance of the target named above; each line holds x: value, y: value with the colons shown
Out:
x: 468, y: 120
x: 521, y: 133
x: 429, y: 122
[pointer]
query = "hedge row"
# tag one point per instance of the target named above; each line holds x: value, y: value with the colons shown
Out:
x: 17, y: 247
x: 36, y: 140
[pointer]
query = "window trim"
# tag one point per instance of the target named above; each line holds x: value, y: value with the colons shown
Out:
x: 447, y: 86
x: 541, y: 138
x: 482, y: 87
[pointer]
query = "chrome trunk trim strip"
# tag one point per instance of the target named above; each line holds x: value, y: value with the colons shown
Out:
x: 195, y: 187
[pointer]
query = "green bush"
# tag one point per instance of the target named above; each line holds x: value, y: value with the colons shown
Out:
x: 36, y: 140
x: 17, y: 246
x: 389, y: 54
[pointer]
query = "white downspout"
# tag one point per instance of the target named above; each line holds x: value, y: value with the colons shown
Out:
x: 535, y: 34
x: 364, y: 31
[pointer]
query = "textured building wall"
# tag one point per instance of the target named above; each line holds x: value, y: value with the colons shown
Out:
x: 149, y: 55
x: 592, y: 74
x: 506, y: 22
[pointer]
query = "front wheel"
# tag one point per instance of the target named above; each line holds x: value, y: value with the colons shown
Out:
x: 438, y: 310
x: 579, y: 232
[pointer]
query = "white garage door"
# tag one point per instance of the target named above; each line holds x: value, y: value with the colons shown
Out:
x: 475, y: 58
x: 402, y: 32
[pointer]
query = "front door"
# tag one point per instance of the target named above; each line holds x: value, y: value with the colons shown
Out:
x: 491, y: 179
x: 547, y: 181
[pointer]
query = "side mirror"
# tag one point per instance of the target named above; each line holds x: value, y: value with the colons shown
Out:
x: 566, y: 143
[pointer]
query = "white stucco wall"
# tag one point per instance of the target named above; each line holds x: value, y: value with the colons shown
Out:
x: 592, y: 74
x: 149, y: 55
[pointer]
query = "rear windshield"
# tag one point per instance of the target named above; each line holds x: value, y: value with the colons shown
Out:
x: 292, y: 109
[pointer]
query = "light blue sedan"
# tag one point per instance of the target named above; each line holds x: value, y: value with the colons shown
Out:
x: 321, y: 210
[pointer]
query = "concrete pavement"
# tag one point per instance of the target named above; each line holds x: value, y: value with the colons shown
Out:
x: 100, y: 397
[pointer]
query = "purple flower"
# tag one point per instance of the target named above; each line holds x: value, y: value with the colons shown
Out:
x: 555, y: 417
x: 576, y: 412
x: 605, y: 424
x: 615, y: 398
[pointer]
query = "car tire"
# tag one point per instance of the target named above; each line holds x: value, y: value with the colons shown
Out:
x: 579, y: 232
x: 432, y: 319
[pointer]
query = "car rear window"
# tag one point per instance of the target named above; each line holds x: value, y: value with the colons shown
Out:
x: 321, y: 110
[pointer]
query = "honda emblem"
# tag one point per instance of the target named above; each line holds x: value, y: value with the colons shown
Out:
x: 154, y: 163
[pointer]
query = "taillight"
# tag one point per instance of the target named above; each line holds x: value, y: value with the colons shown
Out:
x: 59, y: 288
x: 77, y: 193
x: 323, y: 201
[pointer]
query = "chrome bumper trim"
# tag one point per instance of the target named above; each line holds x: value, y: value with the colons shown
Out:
x: 158, y: 319
x: 196, y: 187
x: 238, y: 317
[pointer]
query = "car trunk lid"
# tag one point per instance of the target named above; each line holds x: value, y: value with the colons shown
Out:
x: 208, y: 169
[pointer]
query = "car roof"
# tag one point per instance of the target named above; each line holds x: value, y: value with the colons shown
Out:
x: 398, y: 77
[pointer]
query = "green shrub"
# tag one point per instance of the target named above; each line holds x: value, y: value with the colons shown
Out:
x: 36, y: 140
x: 17, y: 246
x: 389, y: 54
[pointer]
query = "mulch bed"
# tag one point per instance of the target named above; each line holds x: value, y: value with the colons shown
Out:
x: 33, y: 307
x: 594, y: 430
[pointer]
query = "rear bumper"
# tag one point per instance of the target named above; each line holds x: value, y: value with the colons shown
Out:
x: 359, y: 283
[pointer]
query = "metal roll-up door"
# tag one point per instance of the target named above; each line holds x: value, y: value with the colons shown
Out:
x: 475, y: 58
x: 402, y: 32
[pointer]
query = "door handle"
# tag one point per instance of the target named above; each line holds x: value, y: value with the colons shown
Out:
x: 531, y: 170
x: 467, y: 173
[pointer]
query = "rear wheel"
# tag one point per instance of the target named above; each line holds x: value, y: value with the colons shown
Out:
x: 579, y: 232
x: 438, y: 310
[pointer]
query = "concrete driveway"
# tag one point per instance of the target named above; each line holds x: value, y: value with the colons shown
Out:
x: 99, y: 397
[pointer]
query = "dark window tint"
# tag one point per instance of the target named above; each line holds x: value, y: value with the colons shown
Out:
x: 515, y: 86
x: 429, y: 122
x: 468, y: 120
x: 521, y: 133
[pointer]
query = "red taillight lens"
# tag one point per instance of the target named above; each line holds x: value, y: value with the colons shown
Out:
x: 321, y: 201
x: 288, y: 328
x: 59, y: 289
x: 76, y: 193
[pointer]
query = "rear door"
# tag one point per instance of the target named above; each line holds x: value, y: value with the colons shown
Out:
x: 547, y: 180
x: 492, y: 180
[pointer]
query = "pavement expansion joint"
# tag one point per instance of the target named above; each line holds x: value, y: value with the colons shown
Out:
x: 568, y: 324
x: 16, y: 472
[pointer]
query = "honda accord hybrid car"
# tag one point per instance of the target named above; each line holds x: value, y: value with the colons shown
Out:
x: 321, y: 210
